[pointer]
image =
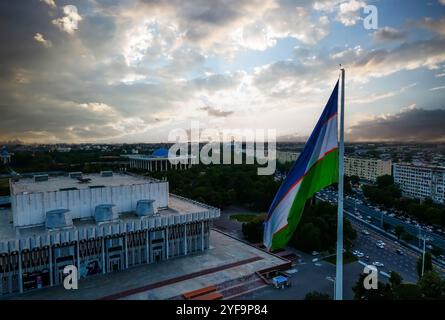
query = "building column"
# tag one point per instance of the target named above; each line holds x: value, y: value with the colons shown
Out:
x: 126, y: 250
x: 185, y: 239
x: 104, y: 267
x: 51, y: 271
x: 167, y: 242
x: 20, y: 271
x: 147, y: 246
x: 78, y: 260
x: 202, y: 235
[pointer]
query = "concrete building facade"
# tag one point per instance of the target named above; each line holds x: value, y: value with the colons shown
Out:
x: 147, y: 225
x: 420, y: 181
x: 367, y: 169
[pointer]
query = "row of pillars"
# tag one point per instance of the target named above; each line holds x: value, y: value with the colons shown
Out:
x: 158, y: 164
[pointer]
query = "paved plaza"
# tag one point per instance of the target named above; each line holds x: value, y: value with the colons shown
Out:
x: 227, y: 259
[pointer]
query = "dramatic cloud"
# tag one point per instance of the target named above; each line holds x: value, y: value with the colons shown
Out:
x: 68, y: 23
x: 387, y: 34
x: 412, y: 124
x: 132, y: 70
x: 39, y: 38
x: 348, y: 12
x: 437, y: 26
x: 216, y: 113
x: 51, y: 3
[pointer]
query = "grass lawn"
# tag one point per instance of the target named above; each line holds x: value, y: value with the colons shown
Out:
x: 347, y: 258
x: 244, y: 217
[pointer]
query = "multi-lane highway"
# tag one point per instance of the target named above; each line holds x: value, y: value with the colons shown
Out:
x: 379, y: 218
x: 395, y: 256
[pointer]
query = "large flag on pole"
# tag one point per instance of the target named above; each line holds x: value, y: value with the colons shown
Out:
x: 315, y: 168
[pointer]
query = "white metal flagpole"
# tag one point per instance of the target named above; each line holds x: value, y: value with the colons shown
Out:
x: 339, y: 263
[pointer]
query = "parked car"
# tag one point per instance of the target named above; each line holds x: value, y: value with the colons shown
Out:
x: 400, y: 252
x: 378, y: 264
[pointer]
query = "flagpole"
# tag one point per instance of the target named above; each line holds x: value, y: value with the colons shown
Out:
x: 339, y: 262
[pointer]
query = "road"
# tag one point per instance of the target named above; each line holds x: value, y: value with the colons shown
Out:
x: 404, y: 264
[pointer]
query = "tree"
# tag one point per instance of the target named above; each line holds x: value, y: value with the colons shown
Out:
x: 385, y: 181
x: 400, y: 230
x: 383, y: 291
x: 315, y: 295
x: 355, y: 179
x: 386, y: 226
x: 436, y: 251
x: 431, y: 285
x: 253, y: 231
x: 428, y: 264
x: 407, y: 291
x: 395, y: 279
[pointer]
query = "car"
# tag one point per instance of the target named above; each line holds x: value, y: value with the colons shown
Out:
x: 366, y: 232
x: 429, y: 246
x: 381, y: 246
x: 367, y: 258
x: 400, y: 252
x: 378, y: 264
x: 360, y: 255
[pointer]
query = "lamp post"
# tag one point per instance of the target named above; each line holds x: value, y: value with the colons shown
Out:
x: 425, y: 238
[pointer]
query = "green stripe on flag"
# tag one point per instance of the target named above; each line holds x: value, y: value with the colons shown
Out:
x: 321, y: 175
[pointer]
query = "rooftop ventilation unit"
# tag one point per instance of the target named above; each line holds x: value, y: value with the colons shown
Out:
x: 106, y: 173
x: 59, y: 218
x: 74, y: 175
x: 40, y: 177
x: 145, y: 208
x: 105, y: 213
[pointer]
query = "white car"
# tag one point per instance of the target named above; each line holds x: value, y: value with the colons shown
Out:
x: 381, y: 246
x: 366, y: 232
x: 378, y: 264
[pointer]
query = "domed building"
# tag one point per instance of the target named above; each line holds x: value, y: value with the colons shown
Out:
x: 5, y: 155
x: 159, y: 160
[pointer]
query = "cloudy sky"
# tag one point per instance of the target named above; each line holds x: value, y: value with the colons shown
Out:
x: 133, y: 70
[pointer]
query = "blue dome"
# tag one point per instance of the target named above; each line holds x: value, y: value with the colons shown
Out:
x: 160, y: 153
x: 4, y: 151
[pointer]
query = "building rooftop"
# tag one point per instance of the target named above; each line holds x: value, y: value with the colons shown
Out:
x: 55, y: 183
x: 176, y: 206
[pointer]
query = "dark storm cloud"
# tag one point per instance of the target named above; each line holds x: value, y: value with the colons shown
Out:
x: 413, y: 124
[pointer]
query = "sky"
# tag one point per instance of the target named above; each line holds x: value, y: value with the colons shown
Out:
x: 134, y: 70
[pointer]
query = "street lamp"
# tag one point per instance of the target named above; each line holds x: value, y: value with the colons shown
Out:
x: 332, y: 279
x: 425, y: 238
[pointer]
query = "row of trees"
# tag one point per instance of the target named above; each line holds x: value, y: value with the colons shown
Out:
x: 388, y: 194
x: 223, y: 185
x: 430, y: 286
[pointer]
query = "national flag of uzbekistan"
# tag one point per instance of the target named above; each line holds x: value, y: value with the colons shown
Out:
x: 315, y: 168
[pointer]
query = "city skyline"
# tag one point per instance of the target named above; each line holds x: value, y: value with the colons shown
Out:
x: 131, y: 71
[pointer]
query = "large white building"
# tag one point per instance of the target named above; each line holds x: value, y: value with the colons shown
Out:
x: 420, y: 181
x: 367, y: 169
x: 159, y: 161
x: 99, y: 223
